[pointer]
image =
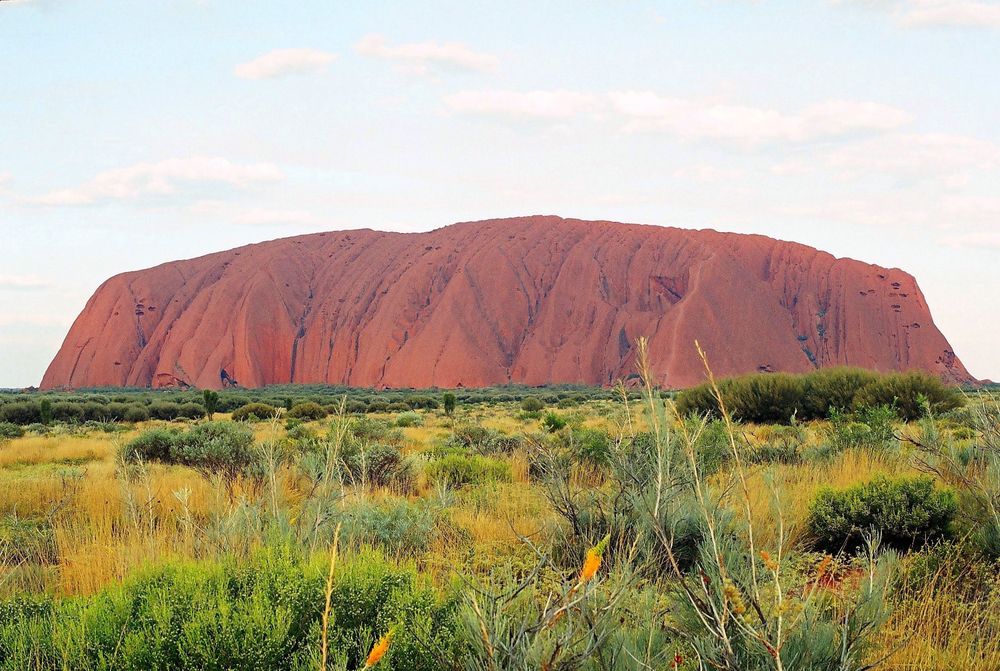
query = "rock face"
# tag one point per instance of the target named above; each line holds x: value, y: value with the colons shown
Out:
x: 530, y: 300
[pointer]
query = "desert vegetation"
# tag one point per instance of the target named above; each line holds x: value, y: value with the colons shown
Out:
x: 841, y: 520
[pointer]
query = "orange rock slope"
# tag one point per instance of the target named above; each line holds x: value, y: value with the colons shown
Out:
x: 531, y: 300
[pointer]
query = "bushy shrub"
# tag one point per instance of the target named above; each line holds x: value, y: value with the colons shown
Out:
x: 532, y: 404
x: 783, y: 446
x: 151, y: 445
x: 777, y: 398
x: 376, y: 465
x: 832, y: 388
x: 254, y: 412
x: 906, y: 512
x: 65, y: 411
x: 135, y: 413
x: 216, y: 447
x: 368, y: 429
x: 553, y: 422
x: 239, y: 615
x: 396, y: 526
x: 459, y: 470
x: 191, y: 411
x: 409, y: 419
x: 397, y: 406
x: 422, y: 402
x: 308, y: 410
x: 591, y: 445
x: 907, y: 393
x: 9, y: 431
x: 164, y: 410
x: 21, y: 413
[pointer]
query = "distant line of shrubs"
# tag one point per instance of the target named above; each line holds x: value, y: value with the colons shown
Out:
x: 778, y: 397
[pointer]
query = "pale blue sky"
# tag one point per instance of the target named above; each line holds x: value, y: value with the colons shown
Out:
x: 133, y: 133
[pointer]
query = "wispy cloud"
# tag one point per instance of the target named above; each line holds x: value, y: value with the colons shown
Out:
x: 22, y: 283
x: 160, y: 179
x: 283, y: 62
x: 686, y: 118
x: 692, y: 119
x: 421, y: 57
x: 523, y: 105
x: 936, y: 13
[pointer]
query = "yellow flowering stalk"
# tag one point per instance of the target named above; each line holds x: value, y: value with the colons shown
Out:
x: 379, y: 650
x: 592, y: 563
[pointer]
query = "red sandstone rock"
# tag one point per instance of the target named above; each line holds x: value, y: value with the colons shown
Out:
x: 531, y: 300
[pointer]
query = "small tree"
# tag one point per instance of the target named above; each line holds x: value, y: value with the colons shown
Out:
x: 211, y: 402
x: 448, y: 400
x: 45, y: 410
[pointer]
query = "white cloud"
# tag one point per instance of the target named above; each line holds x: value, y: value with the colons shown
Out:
x: 926, y: 154
x: 161, y: 178
x: 523, y: 105
x: 936, y: 13
x: 282, y: 62
x: 962, y: 13
x: 420, y: 57
x: 691, y: 119
x: 22, y: 282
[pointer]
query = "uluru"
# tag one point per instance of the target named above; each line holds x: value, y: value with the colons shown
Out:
x: 530, y: 300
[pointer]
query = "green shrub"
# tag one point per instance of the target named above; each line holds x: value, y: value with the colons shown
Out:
x: 459, y: 470
x: 591, y: 445
x: 368, y: 429
x: 397, y: 406
x: 409, y: 419
x: 908, y: 393
x: 65, y: 411
x: 422, y: 402
x: 135, y: 413
x: 9, y: 431
x: 216, y: 447
x: 164, y: 410
x: 532, y: 404
x: 191, y: 411
x: 396, y: 526
x: 237, y: 615
x: 309, y: 411
x: 254, y: 412
x: 376, y: 465
x: 21, y: 413
x: 776, y: 398
x: 906, y: 512
x: 448, y: 400
x: 553, y: 422
x: 151, y: 445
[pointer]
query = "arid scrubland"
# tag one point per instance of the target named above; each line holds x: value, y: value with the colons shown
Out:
x: 552, y: 530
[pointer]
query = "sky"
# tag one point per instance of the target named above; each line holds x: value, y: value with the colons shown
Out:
x: 134, y: 133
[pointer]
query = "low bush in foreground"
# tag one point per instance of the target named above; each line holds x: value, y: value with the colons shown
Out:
x: 905, y: 512
x: 265, y: 613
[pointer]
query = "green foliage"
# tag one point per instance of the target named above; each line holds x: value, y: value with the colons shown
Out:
x: 261, y: 613
x: 910, y: 394
x: 905, y: 512
x: 778, y: 397
x: 211, y: 401
x: 409, y: 419
x: 225, y: 448
x: 9, y: 431
x: 532, y: 404
x: 459, y: 470
x: 553, y: 422
x: 308, y: 410
x: 45, y: 411
x: 151, y: 445
x: 21, y: 413
x: 164, y: 410
x: 396, y: 526
x: 254, y: 412
x: 376, y: 465
x: 448, y: 400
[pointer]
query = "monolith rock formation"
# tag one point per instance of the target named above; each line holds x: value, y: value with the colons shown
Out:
x: 531, y: 300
